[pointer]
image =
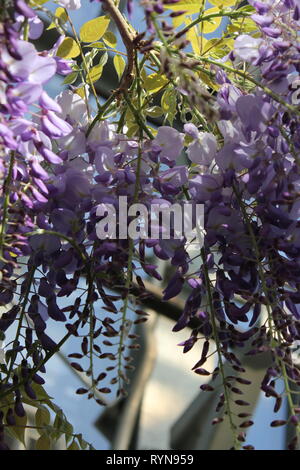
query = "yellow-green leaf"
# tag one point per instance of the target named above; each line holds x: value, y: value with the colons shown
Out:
x: 154, y: 111
x: 33, y: 3
x: 42, y: 418
x: 80, y: 92
x: 43, y: 443
x: 68, y: 49
x: 73, y: 446
x: 168, y: 102
x: 133, y: 130
x: 94, y: 29
x: 110, y: 39
x: 18, y: 431
x: 60, y: 13
x: 194, y: 38
x: 223, y: 3
x: 190, y: 7
x: 97, y: 45
x: 213, y: 23
x: 155, y: 82
x: 119, y: 64
x: 95, y: 73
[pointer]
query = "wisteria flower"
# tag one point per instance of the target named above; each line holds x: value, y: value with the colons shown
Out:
x: 247, y: 48
x: 203, y: 149
x: 169, y: 142
x: 70, y: 4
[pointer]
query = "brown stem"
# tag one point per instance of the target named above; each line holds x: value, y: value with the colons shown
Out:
x: 128, y: 40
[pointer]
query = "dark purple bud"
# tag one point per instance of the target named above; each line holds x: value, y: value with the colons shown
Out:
x: 30, y: 392
x: 8, y: 318
x: 38, y: 380
x: 242, y: 403
x: 278, y: 422
x: 202, y: 371
x: 10, y: 417
x: 19, y: 409
x: 206, y: 388
x: 46, y: 342
x: 81, y: 391
x: 76, y: 366
x: 246, y: 424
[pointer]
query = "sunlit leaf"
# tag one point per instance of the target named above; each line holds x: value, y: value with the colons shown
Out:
x: 133, y: 131
x: 168, y: 101
x: 33, y: 3
x: 155, y: 82
x: 154, y: 111
x: 223, y: 3
x: 213, y: 24
x: 168, y: 104
x: 95, y: 73
x: 94, y: 29
x: 104, y: 58
x: 119, y: 64
x: 194, y: 38
x: 190, y: 6
x: 61, y: 14
x: 110, y: 39
x: 80, y: 92
x: 68, y: 49
x: 71, y: 78
x: 97, y: 45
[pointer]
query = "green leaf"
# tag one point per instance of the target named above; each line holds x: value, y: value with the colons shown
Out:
x: 80, y: 92
x: 73, y: 446
x: 133, y: 130
x: 110, y: 39
x: 68, y: 49
x: 18, y: 431
x: 69, y: 430
x: 82, y: 442
x: 194, y: 38
x: 61, y: 15
x: 154, y: 82
x: 95, y: 73
x: 71, y: 78
x: 43, y: 443
x: 223, y: 3
x: 104, y: 59
x: 94, y: 29
x: 40, y: 392
x: 213, y: 23
x: 168, y: 104
x: 96, y: 45
x: 154, y: 111
x: 119, y: 64
x: 190, y: 6
x: 42, y: 418
x: 33, y: 3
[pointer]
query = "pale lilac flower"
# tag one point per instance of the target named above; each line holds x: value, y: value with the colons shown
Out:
x: 203, y: 149
x: 70, y: 4
x: 247, y: 48
x: 170, y: 142
x: 104, y: 160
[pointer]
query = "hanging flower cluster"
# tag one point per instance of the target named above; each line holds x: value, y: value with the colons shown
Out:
x: 60, y: 163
